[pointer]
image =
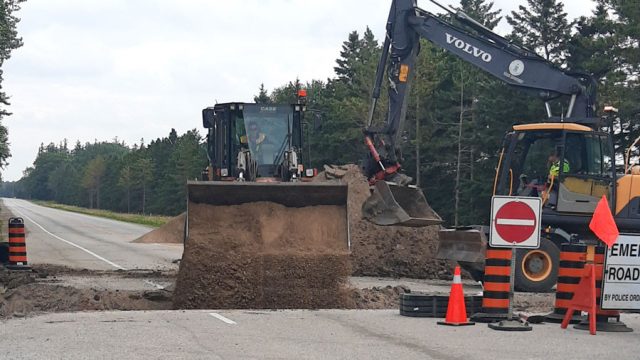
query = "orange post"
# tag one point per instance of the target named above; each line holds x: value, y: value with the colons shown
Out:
x: 17, y: 245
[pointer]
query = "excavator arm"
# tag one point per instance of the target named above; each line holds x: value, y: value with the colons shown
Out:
x: 473, y: 43
x: 478, y: 46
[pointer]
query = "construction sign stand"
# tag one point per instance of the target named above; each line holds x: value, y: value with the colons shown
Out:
x: 515, y: 223
x: 584, y: 299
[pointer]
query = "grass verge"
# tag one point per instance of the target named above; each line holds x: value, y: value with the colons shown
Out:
x: 149, y: 220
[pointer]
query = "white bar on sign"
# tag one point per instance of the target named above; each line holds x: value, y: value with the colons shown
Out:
x: 520, y: 222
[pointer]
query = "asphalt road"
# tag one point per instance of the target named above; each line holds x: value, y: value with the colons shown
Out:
x: 81, y: 241
x: 296, y: 334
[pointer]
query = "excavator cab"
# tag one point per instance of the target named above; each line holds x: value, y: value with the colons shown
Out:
x: 568, y: 165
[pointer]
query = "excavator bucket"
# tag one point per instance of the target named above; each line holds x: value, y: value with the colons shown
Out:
x: 392, y: 204
x: 466, y: 244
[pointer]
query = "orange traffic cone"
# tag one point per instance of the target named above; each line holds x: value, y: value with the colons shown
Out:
x: 456, y: 309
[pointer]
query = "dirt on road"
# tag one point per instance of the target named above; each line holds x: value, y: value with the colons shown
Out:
x: 264, y: 255
x: 58, y: 289
x: 171, y: 232
x: 391, y: 251
x: 24, y: 293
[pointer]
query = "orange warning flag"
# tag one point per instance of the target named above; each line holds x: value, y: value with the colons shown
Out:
x: 602, y: 224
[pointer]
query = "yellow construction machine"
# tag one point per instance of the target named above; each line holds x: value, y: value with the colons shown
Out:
x: 576, y: 138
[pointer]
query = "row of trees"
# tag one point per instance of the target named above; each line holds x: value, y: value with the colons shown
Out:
x: 111, y: 175
x: 455, y: 122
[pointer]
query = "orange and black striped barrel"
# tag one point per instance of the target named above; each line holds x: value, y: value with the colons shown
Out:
x: 17, y: 244
x: 497, y: 273
x: 570, y: 270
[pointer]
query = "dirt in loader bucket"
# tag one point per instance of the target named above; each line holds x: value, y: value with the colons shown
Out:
x: 391, y: 204
x: 265, y: 245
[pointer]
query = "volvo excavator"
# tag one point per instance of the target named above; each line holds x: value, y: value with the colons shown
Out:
x: 577, y: 137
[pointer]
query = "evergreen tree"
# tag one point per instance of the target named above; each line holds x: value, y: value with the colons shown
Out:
x: 482, y: 11
x: 126, y: 181
x: 144, y: 176
x: 92, y: 179
x: 262, y: 97
x: 349, y: 55
x: 543, y: 27
x: 9, y: 41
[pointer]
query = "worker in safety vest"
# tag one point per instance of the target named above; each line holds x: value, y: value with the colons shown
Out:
x: 552, y: 179
x: 256, y: 137
x: 554, y: 168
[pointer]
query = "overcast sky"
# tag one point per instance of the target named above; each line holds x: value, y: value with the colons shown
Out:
x: 132, y: 69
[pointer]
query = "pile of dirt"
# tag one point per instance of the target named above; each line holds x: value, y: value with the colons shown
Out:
x: 31, y: 292
x: 392, y: 251
x: 387, y: 297
x: 264, y: 255
x: 171, y: 232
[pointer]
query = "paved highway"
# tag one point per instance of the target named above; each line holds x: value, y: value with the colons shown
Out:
x: 296, y: 334
x: 81, y: 241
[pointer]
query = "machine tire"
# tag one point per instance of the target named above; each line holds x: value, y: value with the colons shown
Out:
x: 537, y: 269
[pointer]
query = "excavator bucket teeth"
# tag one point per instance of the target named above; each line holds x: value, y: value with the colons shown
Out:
x: 392, y: 204
x: 462, y: 244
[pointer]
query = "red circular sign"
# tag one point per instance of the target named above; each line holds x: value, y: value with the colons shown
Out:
x: 515, y: 222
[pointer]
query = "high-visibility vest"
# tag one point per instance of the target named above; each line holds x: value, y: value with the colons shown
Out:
x: 555, y: 168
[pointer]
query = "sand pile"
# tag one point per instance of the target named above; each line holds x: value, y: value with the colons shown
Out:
x: 171, y: 232
x: 385, y: 250
x: 264, y: 255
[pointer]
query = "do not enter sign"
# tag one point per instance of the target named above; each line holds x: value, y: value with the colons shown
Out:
x: 515, y: 222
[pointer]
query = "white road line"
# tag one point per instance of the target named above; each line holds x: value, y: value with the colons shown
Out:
x: 520, y: 222
x: 222, y: 318
x: 72, y: 244
x: 157, y: 286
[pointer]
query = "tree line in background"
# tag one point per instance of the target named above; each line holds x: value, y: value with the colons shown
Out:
x: 111, y: 175
x: 456, y: 118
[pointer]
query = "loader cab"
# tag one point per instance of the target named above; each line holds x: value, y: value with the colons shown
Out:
x: 584, y: 163
x: 267, y: 131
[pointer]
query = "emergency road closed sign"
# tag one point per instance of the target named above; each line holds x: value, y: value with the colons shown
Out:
x: 621, y: 278
x: 515, y: 222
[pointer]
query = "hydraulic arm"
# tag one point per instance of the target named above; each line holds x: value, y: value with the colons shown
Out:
x: 475, y: 44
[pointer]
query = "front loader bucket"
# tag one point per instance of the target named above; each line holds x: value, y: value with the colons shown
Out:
x: 291, y: 195
x: 462, y: 244
x: 392, y: 204
x: 253, y: 245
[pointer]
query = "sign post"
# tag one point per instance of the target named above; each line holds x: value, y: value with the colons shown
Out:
x: 621, y: 282
x: 515, y: 224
